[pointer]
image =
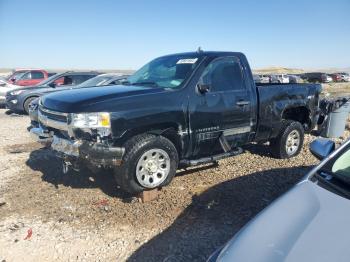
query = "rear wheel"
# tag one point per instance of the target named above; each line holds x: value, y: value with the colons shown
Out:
x: 27, y: 103
x: 290, y: 140
x: 150, y: 162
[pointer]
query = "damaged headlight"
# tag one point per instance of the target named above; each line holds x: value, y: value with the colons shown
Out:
x: 16, y: 92
x: 91, y: 120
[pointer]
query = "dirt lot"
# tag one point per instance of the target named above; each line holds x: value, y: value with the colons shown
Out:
x: 84, y: 217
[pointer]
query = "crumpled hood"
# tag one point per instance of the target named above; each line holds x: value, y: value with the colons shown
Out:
x: 93, y: 99
x: 308, y: 223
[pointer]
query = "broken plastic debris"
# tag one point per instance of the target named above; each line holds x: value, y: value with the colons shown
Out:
x: 103, y: 202
x: 29, y: 234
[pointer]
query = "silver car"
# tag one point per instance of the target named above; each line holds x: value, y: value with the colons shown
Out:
x: 308, y: 223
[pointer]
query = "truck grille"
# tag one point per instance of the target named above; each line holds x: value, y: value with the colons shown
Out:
x: 53, y: 119
x: 57, y: 116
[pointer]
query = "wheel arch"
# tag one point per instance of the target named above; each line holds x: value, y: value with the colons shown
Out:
x: 169, y: 130
x: 300, y: 114
x: 27, y: 98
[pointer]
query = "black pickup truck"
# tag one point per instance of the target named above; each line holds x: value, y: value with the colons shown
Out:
x: 176, y: 111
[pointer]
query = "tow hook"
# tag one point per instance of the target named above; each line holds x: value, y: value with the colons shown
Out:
x: 68, y: 166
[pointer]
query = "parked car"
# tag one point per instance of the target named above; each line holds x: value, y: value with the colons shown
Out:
x: 4, y: 88
x: 28, y: 77
x: 178, y: 110
x: 256, y: 79
x: 345, y: 77
x: 336, y: 77
x: 264, y: 79
x: 317, y: 77
x: 100, y: 80
x: 18, y: 100
x: 280, y: 78
x: 308, y: 223
x: 293, y: 79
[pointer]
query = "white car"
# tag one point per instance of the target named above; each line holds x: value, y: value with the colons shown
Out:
x: 4, y: 88
x: 328, y: 79
x: 264, y: 78
x: 345, y: 77
x: 280, y: 78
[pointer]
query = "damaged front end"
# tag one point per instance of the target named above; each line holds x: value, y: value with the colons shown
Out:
x: 78, y: 138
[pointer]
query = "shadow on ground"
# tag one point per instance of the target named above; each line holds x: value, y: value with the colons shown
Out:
x: 45, y: 161
x: 216, y: 215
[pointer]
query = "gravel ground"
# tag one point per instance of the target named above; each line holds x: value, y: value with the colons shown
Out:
x: 46, y: 215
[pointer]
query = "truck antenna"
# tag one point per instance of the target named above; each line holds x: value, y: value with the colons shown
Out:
x: 199, y: 50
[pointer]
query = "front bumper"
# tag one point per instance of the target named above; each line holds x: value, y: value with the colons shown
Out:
x: 97, y: 154
x: 2, y: 100
x: 12, y: 103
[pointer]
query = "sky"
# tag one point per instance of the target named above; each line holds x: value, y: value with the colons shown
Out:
x: 103, y: 34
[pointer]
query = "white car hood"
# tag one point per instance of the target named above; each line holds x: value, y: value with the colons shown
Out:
x: 8, y: 87
x: 308, y: 223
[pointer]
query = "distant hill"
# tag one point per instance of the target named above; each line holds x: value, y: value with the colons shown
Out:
x: 285, y: 70
x: 278, y: 70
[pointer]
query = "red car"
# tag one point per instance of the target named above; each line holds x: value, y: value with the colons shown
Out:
x: 336, y: 77
x: 28, y: 77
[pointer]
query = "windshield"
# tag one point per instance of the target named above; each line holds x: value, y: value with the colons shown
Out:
x: 337, y: 170
x: 48, y: 80
x: 18, y: 75
x: 96, y: 81
x: 166, y: 72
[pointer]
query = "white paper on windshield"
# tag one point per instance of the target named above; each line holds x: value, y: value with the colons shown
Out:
x: 187, y: 61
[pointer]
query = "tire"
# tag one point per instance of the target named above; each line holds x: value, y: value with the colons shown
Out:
x: 144, y: 153
x: 27, y: 102
x: 290, y: 140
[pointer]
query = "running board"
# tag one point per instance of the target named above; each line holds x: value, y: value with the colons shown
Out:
x: 212, y: 159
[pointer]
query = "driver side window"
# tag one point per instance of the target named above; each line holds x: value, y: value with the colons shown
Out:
x: 223, y: 74
x: 26, y: 76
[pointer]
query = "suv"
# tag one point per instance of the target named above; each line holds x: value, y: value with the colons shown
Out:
x: 28, y: 77
x: 317, y: 77
x: 18, y: 100
x: 281, y: 79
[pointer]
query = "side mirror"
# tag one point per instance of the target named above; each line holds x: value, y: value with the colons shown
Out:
x: 321, y: 148
x: 203, y: 88
x: 53, y: 85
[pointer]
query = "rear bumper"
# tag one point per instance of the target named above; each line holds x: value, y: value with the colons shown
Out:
x: 97, y: 154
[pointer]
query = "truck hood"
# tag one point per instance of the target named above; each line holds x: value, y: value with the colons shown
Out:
x: 309, y: 223
x: 93, y: 99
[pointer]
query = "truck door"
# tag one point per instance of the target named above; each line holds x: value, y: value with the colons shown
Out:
x: 224, y: 108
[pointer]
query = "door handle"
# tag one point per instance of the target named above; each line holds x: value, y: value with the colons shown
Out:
x: 242, y: 103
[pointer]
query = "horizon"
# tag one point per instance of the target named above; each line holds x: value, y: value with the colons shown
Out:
x: 126, y: 35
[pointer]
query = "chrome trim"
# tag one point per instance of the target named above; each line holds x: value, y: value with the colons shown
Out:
x: 40, y: 136
x: 237, y: 130
x: 52, y: 112
x: 66, y: 146
x: 52, y: 123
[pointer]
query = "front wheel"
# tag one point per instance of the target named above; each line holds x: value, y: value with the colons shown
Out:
x: 27, y: 103
x: 290, y: 140
x: 150, y: 162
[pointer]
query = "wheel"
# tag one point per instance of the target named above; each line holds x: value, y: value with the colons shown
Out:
x: 289, y: 141
x: 27, y: 103
x: 150, y: 162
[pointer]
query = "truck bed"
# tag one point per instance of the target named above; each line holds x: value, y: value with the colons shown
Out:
x: 273, y: 103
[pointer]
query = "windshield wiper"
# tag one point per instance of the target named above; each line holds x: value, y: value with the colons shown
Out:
x: 145, y: 83
x: 326, y: 178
